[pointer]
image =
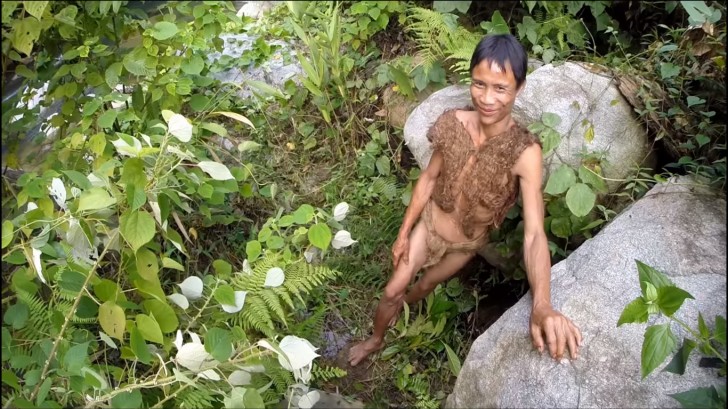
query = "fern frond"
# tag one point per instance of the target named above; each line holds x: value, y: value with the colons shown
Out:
x: 255, y: 315
x: 281, y: 377
x: 386, y: 187
x: 271, y: 300
x: 326, y: 373
x: 193, y: 398
x: 312, y: 327
x: 39, y: 317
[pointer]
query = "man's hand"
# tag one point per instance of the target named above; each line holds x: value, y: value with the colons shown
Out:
x: 400, y: 250
x: 557, y: 330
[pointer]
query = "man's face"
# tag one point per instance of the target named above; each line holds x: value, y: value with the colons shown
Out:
x: 493, y: 92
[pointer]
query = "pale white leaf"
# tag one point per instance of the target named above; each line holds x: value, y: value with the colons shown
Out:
x: 303, y: 374
x: 209, y: 374
x: 195, y: 338
x: 107, y: 339
x: 342, y: 239
x: 180, y: 300
x: 239, y: 378
x: 340, y: 211
x: 75, y: 192
x: 256, y: 368
x: 178, y: 340
x: 167, y: 115
x: 237, y: 117
x: 298, y: 351
x: 147, y: 140
x: 95, y: 180
x: 192, y: 287
x: 274, y: 277
x: 311, y: 253
x: 125, y: 149
x: 181, y: 377
x: 180, y: 127
x: 194, y: 357
x: 246, y: 267
x: 31, y: 206
x: 239, y: 301
x: 37, y: 265
x: 58, y: 190
x: 308, y: 400
x: 216, y: 170
x: 156, y: 211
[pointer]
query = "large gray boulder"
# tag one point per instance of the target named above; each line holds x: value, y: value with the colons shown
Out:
x: 281, y: 66
x: 677, y: 228
x: 581, y: 96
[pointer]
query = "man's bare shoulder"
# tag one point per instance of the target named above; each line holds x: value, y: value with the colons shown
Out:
x: 529, y: 161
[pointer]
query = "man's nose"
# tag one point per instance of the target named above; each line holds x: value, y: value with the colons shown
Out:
x: 487, y: 97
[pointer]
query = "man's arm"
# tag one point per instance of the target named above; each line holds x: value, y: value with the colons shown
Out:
x: 558, y: 330
x: 420, y: 196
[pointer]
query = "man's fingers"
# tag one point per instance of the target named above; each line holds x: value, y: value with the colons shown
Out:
x: 578, y: 334
x: 550, y: 337
x: 560, y: 339
x: 537, y: 338
x: 573, y: 349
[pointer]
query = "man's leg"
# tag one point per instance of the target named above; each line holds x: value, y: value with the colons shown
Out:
x: 393, y: 295
x: 446, y: 268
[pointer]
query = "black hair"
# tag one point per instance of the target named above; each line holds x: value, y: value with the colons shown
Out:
x: 502, y: 50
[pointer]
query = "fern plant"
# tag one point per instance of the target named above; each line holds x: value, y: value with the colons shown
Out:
x: 439, y: 37
x: 264, y: 305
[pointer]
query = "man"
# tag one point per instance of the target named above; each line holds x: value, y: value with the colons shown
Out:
x: 480, y: 158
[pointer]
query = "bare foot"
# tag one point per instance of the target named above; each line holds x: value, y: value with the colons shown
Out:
x: 358, y: 352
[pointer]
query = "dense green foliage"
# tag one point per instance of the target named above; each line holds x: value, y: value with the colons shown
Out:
x: 146, y: 263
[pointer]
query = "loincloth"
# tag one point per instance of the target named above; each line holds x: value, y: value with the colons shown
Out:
x: 438, y: 247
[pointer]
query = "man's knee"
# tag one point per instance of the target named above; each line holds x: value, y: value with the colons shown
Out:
x: 393, y: 293
x: 427, y: 284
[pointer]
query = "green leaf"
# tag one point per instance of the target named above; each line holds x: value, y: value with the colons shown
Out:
x: 35, y: 8
x: 275, y: 242
x: 107, y: 119
x: 138, y: 346
x: 253, y: 250
x: 652, y: 276
x: 67, y: 15
x: 550, y: 140
x: 699, y: 398
x: 592, y: 179
x: 669, y: 70
x: 303, y: 214
x: 658, y: 344
x: 383, y: 166
x: 75, y: 358
x: 163, y: 314
x: 94, y: 199
x: 137, y: 227
x: 173, y: 264
x: 26, y: 72
x: 218, y: 342
x: 223, y: 268
x: 402, y: 80
x: 25, y: 33
x: 634, y: 312
x: 719, y: 332
x: 320, y: 235
x: 449, y: 6
x: 252, y: 399
x: 677, y: 365
x: 671, y: 298
x: 225, y: 294
x: 198, y: 103
x: 112, y: 74
x: 135, y: 62
x: 452, y: 360
x: 580, y: 199
x: 695, y: 101
x: 112, y: 320
x: 7, y: 233
x: 193, y: 65
x: 702, y: 327
x: 560, y: 180
x: 550, y: 119
x: 127, y: 400
x: 149, y: 328
x: 146, y: 264
x: 164, y: 30
x: 561, y: 227
x: 16, y: 315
